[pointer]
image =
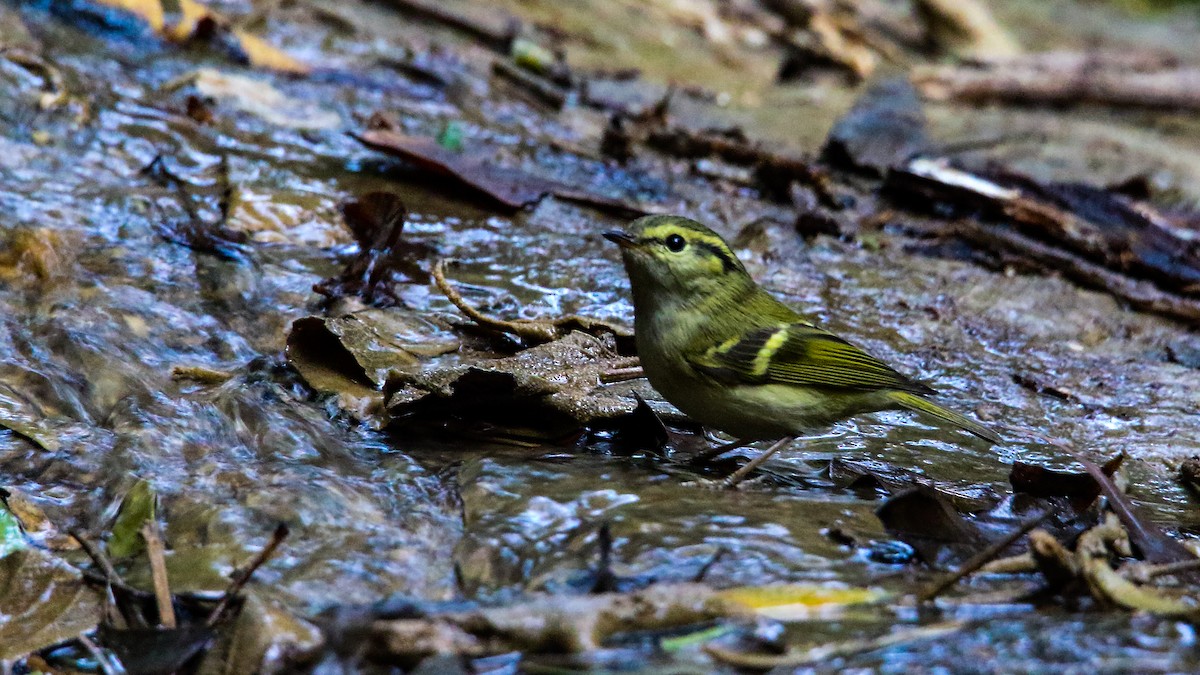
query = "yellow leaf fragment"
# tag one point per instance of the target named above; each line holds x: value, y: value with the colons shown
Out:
x: 150, y: 11
x: 798, y: 601
x: 263, y: 55
x: 191, y: 13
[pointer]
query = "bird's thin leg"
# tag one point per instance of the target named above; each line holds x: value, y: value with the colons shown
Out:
x: 713, y: 453
x: 740, y: 475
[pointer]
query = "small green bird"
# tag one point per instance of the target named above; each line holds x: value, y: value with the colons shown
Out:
x: 732, y: 357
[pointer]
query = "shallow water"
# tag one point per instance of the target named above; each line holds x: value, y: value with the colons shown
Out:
x: 90, y: 345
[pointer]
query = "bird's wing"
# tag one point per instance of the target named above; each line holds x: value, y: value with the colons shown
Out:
x: 799, y: 354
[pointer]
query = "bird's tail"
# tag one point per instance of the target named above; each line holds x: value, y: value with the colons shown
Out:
x: 918, y: 404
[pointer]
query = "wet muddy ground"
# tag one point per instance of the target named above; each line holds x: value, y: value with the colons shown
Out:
x: 102, y: 305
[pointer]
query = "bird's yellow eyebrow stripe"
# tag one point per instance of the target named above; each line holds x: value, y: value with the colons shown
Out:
x: 762, y: 360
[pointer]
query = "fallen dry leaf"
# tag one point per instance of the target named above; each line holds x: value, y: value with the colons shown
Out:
x: 262, y: 100
x: 150, y: 11
x: 262, y: 54
x: 196, y: 21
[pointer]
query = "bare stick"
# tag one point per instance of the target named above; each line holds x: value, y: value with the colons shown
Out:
x: 980, y: 559
x: 158, y: 572
x: 622, y: 374
x: 243, y: 576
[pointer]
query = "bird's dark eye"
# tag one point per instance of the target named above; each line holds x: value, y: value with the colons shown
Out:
x: 675, y: 243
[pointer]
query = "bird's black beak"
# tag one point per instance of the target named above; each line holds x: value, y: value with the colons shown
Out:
x: 620, y: 238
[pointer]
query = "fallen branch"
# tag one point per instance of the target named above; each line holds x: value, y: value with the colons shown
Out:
x: 549, y: 624
x: 1140, y: 294
x: 1087, y: 79
x: 1084, y: 233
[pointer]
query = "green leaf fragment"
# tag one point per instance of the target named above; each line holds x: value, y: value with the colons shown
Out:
x: 137, y: 509
x: 451, y: 136
x: 11, y: 537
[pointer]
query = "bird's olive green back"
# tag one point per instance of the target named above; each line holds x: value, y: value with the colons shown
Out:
x: 800, y: 354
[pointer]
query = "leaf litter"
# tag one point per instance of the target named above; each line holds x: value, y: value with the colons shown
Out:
x: 557, y: 386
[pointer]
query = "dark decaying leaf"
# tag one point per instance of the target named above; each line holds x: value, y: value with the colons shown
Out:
x: 554, y: 388
x: 43, y: 601
x: 642, y: 429
x: 377, y: 221
x: 862, y: 473
x: 1081, y: 489
x: 353, y: 355
x: 155, y: 651
x: 885, y: 128
x: 927, y: 521
x: 507, y: 187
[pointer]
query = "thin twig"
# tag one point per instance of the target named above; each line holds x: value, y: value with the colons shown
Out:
x: 523, y: 330
x: 102, y: 659
x: 708, y: 565
x: 1016, y: 564
x: 243, y: 576
x: 980, y: 559
x: 110, y: 574
x: 111, y: 579
x: 740, y: 475
x: 539, y: 87
x: 158, y: 573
